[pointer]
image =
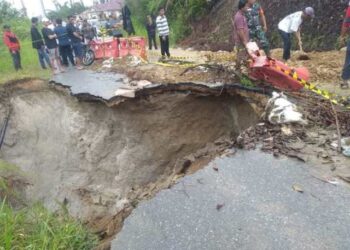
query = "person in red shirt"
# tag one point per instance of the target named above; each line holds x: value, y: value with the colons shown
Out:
x: 13, y: 45
x: 344, y: 32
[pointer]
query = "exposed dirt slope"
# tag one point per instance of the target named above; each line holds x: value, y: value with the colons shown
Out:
x: 101, y: 160
x: 214, y: 31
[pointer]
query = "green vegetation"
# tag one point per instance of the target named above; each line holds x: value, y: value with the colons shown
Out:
x: 35, y: 227
x: 64, y: 10
x: 180, y: 13
x: 7, y: 12
x: 6, y: 190
x: 245, y: 81
x: 30, y: 62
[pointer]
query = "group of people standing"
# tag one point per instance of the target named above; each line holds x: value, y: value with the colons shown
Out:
x: 249, y: 24
x: 57, y: 45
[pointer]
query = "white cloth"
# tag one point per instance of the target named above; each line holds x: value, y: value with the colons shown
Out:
x: 162, y: 26
x: 291, y: 23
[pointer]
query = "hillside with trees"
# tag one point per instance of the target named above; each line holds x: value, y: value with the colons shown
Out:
x: 207, y: 24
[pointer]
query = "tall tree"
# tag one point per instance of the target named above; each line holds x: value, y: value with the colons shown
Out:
x: 43, y: 7
x: 57, y: 4
x: 7, y: 12
x: 24, y: 9
x: 62, y: 11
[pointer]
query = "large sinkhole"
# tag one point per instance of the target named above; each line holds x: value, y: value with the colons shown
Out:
x: 101, y: 160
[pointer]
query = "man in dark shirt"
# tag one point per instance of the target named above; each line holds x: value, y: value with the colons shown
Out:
x: 51, y: 45
x: 76, y: 40
x: 38, y: 44
x: 64, y: 44
x: 151, y: 32
x: 88, y: 31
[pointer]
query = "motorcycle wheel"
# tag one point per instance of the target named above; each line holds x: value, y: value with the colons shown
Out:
x: 89, y: 58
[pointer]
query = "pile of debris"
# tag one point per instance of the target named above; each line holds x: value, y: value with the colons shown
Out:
x: 311, y: 137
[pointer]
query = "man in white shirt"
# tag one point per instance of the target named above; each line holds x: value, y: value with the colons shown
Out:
x: 291, y: 24
x: 163, y: 30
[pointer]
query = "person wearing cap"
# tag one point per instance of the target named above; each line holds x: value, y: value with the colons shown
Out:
x: 344, y: 32
x: 38, y: 44
x: 241, y: 33
x: 51, y: 45
x: 12, y: 43
x: 257, y: 25
x: 291, y: 24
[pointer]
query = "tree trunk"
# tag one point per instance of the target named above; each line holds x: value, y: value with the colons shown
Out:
x: 57, y: 5
x: 43, y: 7
x: 24, y: 9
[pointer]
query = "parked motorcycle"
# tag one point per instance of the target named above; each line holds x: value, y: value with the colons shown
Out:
x: 88, y: 55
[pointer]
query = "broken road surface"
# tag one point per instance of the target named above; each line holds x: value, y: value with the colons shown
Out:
x: 258, y: 209
x: 98, y: 84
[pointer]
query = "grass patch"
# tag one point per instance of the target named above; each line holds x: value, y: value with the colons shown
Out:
x: 246, y: 82
x: 12, y: 181
x: 5, y: 166
x: 36, y: 228
x: 30, y: 64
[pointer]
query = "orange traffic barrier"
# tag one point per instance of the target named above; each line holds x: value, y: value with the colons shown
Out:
x: 105, y: 49
x: 135, y: 46
x: 278, y: 74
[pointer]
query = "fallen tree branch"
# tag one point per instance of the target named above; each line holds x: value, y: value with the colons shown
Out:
x: 338, y: 127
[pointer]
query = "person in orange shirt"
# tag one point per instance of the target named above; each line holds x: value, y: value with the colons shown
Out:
x: 12, y: 43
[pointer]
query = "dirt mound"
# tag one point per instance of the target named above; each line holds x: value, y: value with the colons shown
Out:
x: 325, y: 68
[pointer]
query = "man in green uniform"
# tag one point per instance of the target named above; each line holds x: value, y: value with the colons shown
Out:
x: 257, y: 25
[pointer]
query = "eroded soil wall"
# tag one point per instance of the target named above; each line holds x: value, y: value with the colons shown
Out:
x: 96, y: 159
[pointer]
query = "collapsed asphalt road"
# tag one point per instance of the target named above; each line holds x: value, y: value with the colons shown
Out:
x: 103, y: 144
x: 102, y: 157
x: 245, y: 201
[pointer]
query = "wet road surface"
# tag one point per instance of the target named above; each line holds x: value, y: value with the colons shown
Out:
x: 248, y: 204
x: 102, y: 85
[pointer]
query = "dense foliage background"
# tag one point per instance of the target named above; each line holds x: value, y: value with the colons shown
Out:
x: 180, y: 13
x: 18, y: 21
x: 66, y: 9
